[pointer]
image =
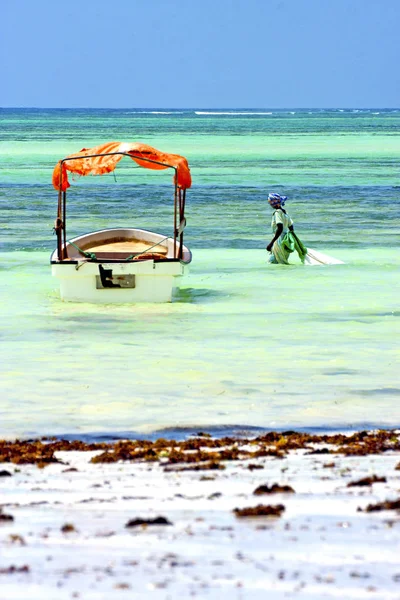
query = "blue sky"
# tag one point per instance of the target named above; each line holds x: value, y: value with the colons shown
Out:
x: 211, y: 54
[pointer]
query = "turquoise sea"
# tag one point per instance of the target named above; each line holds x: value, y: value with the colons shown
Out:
x: 245, y: 344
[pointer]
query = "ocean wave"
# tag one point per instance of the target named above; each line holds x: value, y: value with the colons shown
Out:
x: 155, y: 112
x: 201, y: 112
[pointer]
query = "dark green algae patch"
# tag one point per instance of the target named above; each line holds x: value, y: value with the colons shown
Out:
x: 203, y: 449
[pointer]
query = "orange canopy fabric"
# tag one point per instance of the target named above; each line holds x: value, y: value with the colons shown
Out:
x: 105, y: 164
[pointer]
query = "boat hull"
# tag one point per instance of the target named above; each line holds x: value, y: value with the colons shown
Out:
x: 113, y: 279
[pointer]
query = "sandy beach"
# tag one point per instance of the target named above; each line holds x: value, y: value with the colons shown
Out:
x: 278, y: 516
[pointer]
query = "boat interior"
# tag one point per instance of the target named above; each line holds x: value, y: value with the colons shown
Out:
x: 120, y: 248
x: 125, y: 245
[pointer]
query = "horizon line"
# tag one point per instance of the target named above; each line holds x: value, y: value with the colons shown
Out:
x: 201, y: 108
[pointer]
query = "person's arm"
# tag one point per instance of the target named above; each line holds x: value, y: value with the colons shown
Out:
x: 279, y: 229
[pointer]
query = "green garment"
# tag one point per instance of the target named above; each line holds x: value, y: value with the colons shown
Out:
x: 291, y: 243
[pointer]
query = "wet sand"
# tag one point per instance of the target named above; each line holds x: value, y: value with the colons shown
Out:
x: 277, y: 516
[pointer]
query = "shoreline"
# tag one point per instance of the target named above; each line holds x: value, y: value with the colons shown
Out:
x: 184, y: 432
x: 273, y: 442
x: 279, y: 515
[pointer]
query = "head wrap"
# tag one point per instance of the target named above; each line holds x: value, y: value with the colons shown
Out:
x: 276, y: 200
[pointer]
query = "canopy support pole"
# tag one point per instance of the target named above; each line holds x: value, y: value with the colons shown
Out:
x: 175, y: 216
x: 65, y: 251
x: 182, y: 199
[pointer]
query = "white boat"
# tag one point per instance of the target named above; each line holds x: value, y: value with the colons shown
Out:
x: 120, y: 265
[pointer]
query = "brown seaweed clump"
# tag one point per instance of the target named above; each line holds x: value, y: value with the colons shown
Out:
x: 261, y: 510
x: 272, y: 444
x: 367, y: 481
x: 26, y: 453
x: 5, y: 517
x: 68, y: 528
x: 39, y: 453
x: 13, y: 569
x: 193, y: 451
x: 204, y: 448
x: 273, y: 489
x: 386, y: 505
x: 145, y: 522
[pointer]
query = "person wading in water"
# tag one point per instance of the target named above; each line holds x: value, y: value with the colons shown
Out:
x: 285, y: 241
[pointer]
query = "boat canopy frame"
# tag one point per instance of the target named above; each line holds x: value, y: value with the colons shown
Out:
x: 179, y: 205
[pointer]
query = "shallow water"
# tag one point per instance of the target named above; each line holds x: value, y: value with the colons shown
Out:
x: 244, y: 344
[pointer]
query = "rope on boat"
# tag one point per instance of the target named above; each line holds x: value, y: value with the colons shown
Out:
x: 147, y: 249
x: 90, y: 255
